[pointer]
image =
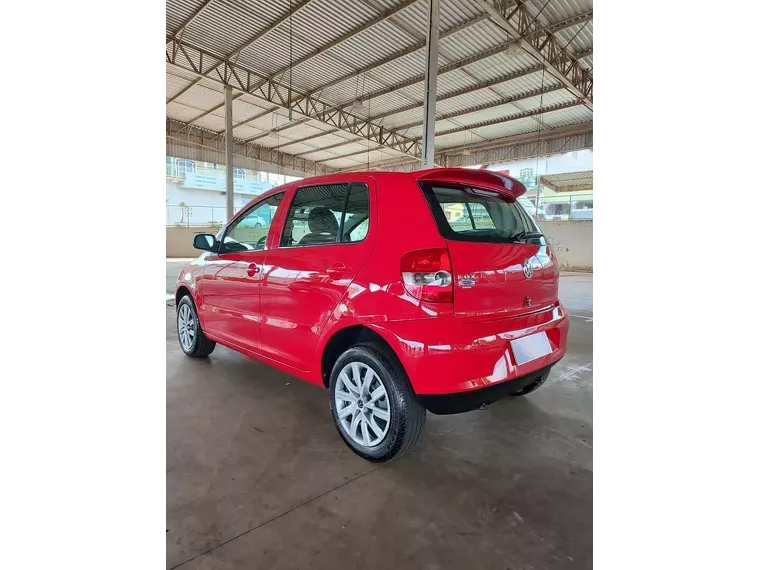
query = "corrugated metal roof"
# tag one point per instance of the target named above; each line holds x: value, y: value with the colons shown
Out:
x: 211, y: 122
x: 223, y: 27
x: 180, y: 112
x: 178, y: 12
x: 242, y: 110
x: 244, y: 132
x: 568, y: 181
x: 175, y: 84
x: 201, y: 98
x: 566, y: 117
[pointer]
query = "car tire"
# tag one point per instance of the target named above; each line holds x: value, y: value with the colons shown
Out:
x: 194, y: 343
x: 406, y: 415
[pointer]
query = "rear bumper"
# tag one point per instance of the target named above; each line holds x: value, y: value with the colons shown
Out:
x: 460, y: 402
x: 448, y: 356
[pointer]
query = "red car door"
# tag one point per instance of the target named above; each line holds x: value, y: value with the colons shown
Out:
x: 231, y: 278
x: 326, y: 238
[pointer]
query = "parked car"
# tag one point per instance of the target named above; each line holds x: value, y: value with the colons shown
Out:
x: 540, y: 214
x: 382, y: 301
x: 560, y: 211
x: 582, y: 214
x: 256, y: 222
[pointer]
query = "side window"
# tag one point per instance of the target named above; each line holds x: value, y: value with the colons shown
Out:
x: 315, y: 215
x: 356, y: 224
x: 249, y: 232
x: 359, y: 232
x: 327, y: 214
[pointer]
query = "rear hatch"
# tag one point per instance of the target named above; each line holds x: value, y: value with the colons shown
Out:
x: 502, y: 265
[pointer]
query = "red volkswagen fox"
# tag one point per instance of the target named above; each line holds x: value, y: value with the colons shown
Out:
x: 398, y: 292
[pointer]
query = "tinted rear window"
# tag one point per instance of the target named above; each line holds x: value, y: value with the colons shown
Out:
x: 469, y: 214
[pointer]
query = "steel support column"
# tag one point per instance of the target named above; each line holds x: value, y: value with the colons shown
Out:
x: 430, y: 85
x: 230, y: 148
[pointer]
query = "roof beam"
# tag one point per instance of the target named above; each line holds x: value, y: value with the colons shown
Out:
x: 453, y: 66
x: 526, y: 145
x: 276, y: 130
x: 509, y: 118
x: 254, y: 117
x: 304, y: 139
x: 398, y: 55
x: 463, y: 91
x: 196, y: 136
x: 570, y: 22
x: 441, y: 55
x: 539, y: 42
x: 335, y: 145
x: 339, y: 156
x: 484, y: 106
x: 180, y: 30
x: 235, y: 54
x: 412, y: 49
x: 215, y: 67
x: 337, y: 41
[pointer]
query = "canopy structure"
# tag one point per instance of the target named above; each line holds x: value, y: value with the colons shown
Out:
x: 568, y: 182
x: 321, y: 86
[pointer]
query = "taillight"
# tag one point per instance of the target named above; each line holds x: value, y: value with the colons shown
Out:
x: 426, y: 275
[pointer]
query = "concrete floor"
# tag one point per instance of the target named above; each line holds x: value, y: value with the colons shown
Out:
x: 257, y: 476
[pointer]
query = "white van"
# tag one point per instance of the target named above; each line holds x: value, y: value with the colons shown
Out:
x: 530, y: 207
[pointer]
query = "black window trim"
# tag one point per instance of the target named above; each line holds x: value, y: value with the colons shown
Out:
x: 242, y: 214
x: 339, y: 240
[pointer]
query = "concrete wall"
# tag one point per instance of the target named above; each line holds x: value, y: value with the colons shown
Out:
x: 572, y: 242
x: 179, y: 240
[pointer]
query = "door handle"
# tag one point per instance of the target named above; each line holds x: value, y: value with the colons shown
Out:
x: 337, y: 270
x: 253, y: 269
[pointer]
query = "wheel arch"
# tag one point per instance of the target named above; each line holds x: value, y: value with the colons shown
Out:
x: 342, y: 339
x: 184, y: 290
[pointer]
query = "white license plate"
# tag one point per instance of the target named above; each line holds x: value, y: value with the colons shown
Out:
x: 528, y: 348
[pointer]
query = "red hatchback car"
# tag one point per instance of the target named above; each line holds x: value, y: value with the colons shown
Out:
x: 398, y: 292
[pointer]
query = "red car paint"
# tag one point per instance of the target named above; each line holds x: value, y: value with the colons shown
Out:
x: 282, y: 305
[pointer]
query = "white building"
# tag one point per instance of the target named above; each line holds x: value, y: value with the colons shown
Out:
x: 196, y: 191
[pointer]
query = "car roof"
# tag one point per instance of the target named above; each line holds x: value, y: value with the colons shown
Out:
x: 474, y: 176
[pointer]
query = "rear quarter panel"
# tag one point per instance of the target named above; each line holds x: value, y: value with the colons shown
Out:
x: 377, y: 295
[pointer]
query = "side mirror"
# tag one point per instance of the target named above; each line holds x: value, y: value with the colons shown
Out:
x: 205, y: 242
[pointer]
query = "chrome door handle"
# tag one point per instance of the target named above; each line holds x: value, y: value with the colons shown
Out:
x: 337, y: 270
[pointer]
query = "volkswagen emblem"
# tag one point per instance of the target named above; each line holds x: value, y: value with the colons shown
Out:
x: 527, y: 269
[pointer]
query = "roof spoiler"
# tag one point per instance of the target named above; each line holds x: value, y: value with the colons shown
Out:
x: 486, y: 179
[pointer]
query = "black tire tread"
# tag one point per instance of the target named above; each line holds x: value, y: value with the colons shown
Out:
x: 416, y: 413
x: 203, y: 346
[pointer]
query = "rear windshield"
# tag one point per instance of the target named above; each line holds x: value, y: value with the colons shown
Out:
x: 468, y: 214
